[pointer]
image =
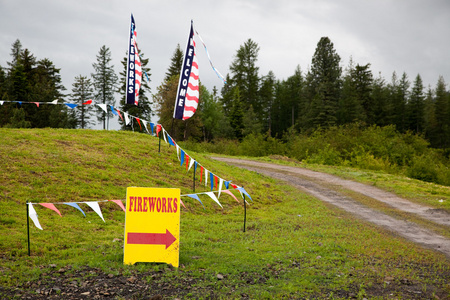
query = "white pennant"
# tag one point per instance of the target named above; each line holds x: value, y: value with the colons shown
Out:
x: 145, y: 125
x: 178, y: 151
x: 220, y: 186
x: 164, y: 135
x: 206, y: 177
x: 103, y: 106
x: 127, y: 120
x: 211, y: 194
x: 191, y: 162
x: 95, y: 207
x: 54, y: 101
x: 1, y: 102
x: 33, y: 216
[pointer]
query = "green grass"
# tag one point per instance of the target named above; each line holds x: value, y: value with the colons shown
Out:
x: 294, y: 247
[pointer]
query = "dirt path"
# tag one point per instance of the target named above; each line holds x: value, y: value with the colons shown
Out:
x: 302, y: 178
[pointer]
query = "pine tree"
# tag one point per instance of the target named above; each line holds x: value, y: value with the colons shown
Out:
x: 415, y: 107
x: 175, y: 63
x: 442, y: 114
x: 244, y: 81
x: 104, y: 81
x: 267, y: 98
x: 430, y: 123
x: 324, y: 83
x: 350, y: 108
x: 82, y: 91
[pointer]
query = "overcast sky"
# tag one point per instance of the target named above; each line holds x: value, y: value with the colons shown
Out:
x: 409, y: 36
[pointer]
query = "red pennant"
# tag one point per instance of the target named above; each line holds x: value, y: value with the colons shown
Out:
x: 139, y: 122
x: 51, y: 206
x: 120, y: 115
x: 88, y: 102
x: 119, y: 202
x: 158, y: 129
x: 201, y: 173
x: 181, y: 201
x: 233, y: 185
x: 37, y: 103
x: 217, y: 179
x: 187, y: 161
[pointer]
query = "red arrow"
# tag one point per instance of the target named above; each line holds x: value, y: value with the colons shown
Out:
x: 151, y: 238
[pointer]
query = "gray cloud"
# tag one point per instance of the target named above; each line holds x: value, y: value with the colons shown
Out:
x: 403, y: 36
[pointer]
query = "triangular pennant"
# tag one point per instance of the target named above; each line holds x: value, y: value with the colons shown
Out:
x: 220, y: 187
x: 195, y: 166
x: 139, y: 122
x: 113, y: 110
x: 71, y: 105
x: 119, y: 202
x: 95, y: 207
x: 216, y: 179
x: 1, y: 102
x: 195, y: 196
x: 37, y: 103
x: 211, y: 178
x: 120, y: 115
x: 158, y: 129
x: 127, y: 120
x: 151, y: 127
x: 52, y: 207
x: 206, y: 177
x: 191, y: 162
x: 54, y: 101
x: 164, y: 135
x: 181, y: 157
x: 102, y: 106
x: 181, y: 201
x: 178, y: 152
x: 241, y: 189
x: 171, y: 141
x: 187, y: 162
x: 76, y: 206
x: 145, y: 125
x: 88, y: 102
x: 231, y: 194
x: 227, y: 184
x: 234, y: 186
x: 211, y: 194
x: 33, y: 216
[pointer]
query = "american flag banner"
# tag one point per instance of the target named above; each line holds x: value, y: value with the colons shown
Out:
x: 188, y: 87
x: 134, y: 70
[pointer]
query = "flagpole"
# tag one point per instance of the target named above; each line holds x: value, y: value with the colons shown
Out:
x: 245, y: 210
x: 28, y: 229
x: 193, y: 183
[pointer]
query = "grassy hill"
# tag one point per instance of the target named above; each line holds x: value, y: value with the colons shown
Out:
x: 294, y: 247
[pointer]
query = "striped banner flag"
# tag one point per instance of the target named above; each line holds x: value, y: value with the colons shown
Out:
x: 188, y: 94
x: 134, y: 70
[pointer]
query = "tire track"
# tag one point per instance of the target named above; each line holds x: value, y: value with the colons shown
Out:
x: 408, y: 230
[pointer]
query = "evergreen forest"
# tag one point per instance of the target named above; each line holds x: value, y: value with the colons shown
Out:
x: 320, y: 114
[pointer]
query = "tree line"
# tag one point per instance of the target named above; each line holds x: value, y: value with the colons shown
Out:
x: 323, y: 96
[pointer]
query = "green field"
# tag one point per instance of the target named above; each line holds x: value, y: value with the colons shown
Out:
x: 294, y: 246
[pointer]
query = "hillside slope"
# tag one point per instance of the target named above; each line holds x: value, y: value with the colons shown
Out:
x: 294, y: 246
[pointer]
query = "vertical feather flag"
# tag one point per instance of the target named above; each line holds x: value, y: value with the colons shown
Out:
x: 134, y: 70
x: 187, y: 97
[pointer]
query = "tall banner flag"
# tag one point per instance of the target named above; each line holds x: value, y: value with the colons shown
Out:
x: 134, y: 70
x: 188, y: 87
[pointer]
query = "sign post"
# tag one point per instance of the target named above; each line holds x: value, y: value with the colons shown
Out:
x: 152, y: 226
